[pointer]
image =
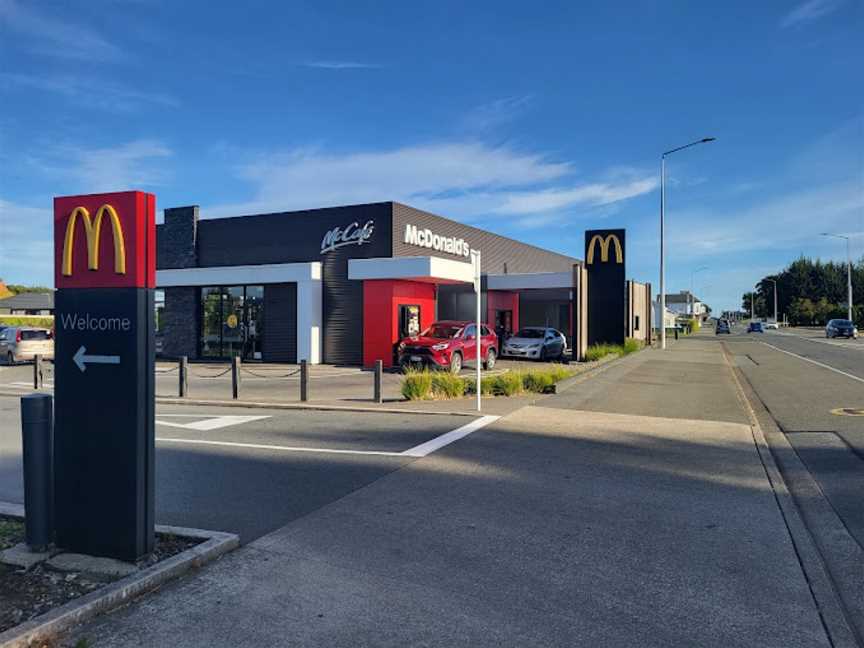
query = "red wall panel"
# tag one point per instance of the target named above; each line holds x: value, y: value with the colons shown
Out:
x: 381, y: 301
x: 502, y: 300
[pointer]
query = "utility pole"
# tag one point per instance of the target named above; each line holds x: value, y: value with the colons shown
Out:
x: 704, y: 140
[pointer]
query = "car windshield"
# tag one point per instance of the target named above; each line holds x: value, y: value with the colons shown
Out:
x: 443, y: 331
x: 530, y: 333
x: 842, y: 323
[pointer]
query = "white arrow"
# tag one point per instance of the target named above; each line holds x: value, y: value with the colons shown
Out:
x: 81, y: 360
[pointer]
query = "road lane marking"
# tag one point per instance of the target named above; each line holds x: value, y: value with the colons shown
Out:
x: 446, y: 439
x: 422, y: 450
x: 264, y: 446
x: 820, y: 364
x: 848, y: 344
x: 209, y: 422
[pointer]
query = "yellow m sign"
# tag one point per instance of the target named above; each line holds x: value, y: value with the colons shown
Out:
x: 92, y: 231
x: 604, y: 248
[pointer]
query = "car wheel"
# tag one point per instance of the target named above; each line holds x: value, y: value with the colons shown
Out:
x: 490, y: 360
x: 456, y: 363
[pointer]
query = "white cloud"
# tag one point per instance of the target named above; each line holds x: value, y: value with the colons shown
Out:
x: 587, y: 194
x: 809, y: 11
x: 497, y: 113
x: 460, y: 180
x: 342, y: 65
x: 139, y: 163
x: 55, y: 37
x: 91, y: 93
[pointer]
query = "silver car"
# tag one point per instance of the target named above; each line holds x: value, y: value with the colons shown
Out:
x: 18, y: 343
x: 537, y: 343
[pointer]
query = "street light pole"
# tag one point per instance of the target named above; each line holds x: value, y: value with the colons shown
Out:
x: 774, y: 281
x: 848, y: 272
x: 704, y: 140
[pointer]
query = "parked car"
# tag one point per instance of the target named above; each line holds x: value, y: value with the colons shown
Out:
x: 19, y: 343
x: 722, y: 327
x: 449, y: 345
x: 536, y: 342
x: 841, y: 328
x: 755, y: 327
x: 770, y: 324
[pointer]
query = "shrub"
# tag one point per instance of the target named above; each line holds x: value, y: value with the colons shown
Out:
x: 507, y: 384
x: 417, y: 385
x: 632, y: 345
x: 15, y: 320
x: 537, y: 381
x: 597, y: 351
x: 448, y: 385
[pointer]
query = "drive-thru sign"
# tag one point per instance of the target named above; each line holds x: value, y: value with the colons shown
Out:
x: 104, y: 272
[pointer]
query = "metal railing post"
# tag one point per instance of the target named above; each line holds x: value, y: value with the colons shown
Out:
x: 304, y: 380
x: 37, y: 371
x: 37, y: 432
x: 235, y: 377
x: 183, y: 372
x: 379, y: 370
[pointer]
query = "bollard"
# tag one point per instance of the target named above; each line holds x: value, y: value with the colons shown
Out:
x: 37, y: 371
x: 676, y: 332
x: 304, y: 380
x: 37, y: 431
x: 379, y: 369
x: 183, y: 372
x: 235, y: 377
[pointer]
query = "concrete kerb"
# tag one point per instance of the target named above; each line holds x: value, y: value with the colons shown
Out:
x: 829, y: 602
x: 57, y: 621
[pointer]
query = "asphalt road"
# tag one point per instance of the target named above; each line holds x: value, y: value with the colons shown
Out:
x: 802, y: 378
x: 251, y: 471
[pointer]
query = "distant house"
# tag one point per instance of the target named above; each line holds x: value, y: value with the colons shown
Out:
x: 32, y: 303
x: 685, y: 303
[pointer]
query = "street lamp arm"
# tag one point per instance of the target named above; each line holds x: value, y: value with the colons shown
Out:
x: 704, y: 140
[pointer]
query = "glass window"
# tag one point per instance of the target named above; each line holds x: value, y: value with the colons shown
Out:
x: 211, y: 322
x: 232, y: 321
x: 159, y: 303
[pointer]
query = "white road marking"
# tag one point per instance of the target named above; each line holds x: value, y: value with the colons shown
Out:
x: 820, y: 364
x: 210, y: 422
x: 263, y: 446
x: 454, y: 435
x: 847, y: 344
x: 422, y: 450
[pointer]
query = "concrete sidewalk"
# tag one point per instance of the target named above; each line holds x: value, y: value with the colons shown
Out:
x: 561, y: 525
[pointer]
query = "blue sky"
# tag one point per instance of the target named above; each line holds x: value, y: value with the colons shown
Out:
x: 534, y: 120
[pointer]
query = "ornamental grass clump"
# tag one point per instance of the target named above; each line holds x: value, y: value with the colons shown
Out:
x: 417, y: 385
x: 448, y: 385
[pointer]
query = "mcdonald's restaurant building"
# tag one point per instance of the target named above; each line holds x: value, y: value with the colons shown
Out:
x: 342, y: 285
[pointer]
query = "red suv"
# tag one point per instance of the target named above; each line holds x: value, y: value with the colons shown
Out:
x: 449, y: 345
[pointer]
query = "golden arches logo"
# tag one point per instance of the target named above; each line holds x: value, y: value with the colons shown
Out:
x: 92, y: 231
x: 604, y: 248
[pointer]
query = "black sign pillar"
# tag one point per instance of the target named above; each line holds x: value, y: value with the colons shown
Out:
x: 605, y: 252
x: 104, y: 441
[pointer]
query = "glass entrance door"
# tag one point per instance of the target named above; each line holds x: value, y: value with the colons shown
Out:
x: 232, y: 319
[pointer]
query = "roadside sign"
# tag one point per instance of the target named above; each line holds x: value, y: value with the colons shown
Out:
x: 104, y: 439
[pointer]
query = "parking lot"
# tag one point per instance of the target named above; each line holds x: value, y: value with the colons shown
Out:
x: 252, y: 471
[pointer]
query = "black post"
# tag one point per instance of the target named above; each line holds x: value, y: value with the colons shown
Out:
x: 37, y: 430
x: 304, y: 380
x: 37, y: 371
x: 379, y: 369
x: 183, y: 370
x: 235, y: 377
